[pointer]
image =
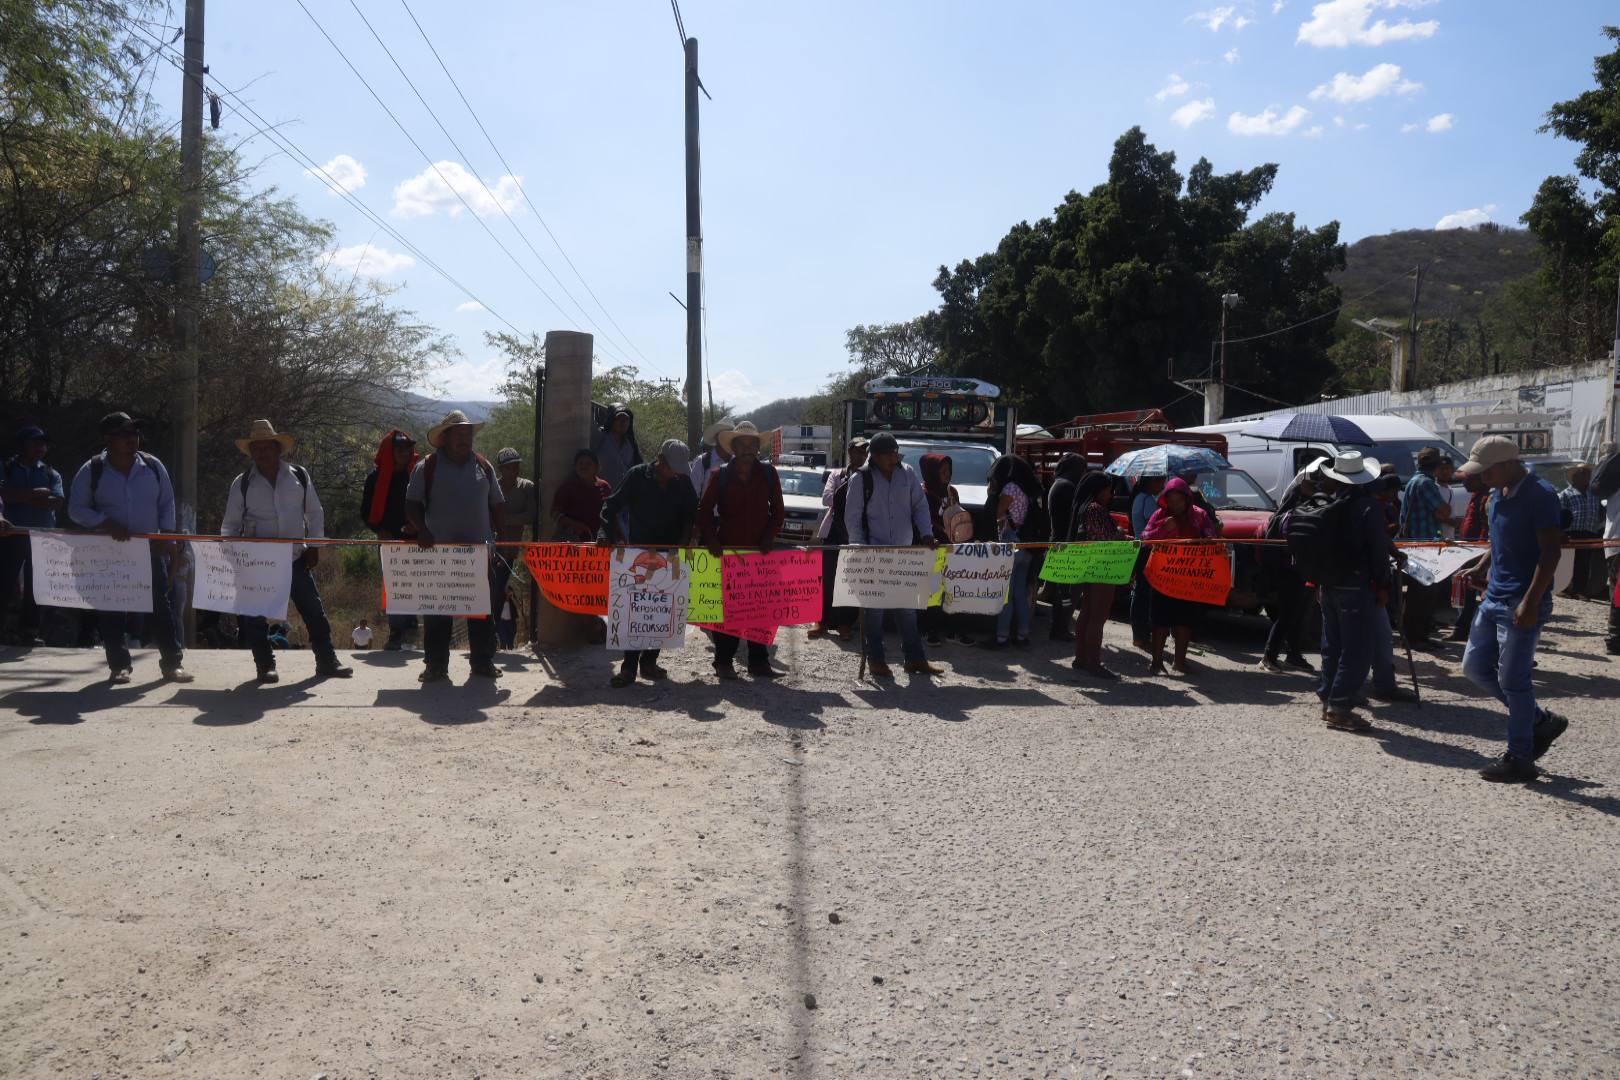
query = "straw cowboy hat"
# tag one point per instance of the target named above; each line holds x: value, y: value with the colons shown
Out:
x: 455, y: 418
x: 714, y: 429
x: 1351, y: 468
x: 744, y: 429
x: 264, y: 431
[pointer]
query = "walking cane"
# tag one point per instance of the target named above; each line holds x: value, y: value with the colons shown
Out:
x: 1411, y: 664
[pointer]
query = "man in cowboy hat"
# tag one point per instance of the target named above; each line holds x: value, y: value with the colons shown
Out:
x: 455, y: 496
x: 123, y: 491
x: 712, y: 458
x: 34, y: 492
x: 741, y: 508
x: 273, y: 498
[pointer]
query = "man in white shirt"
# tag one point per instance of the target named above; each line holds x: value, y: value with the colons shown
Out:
x: 362, y: 635
x: 704, y: 464
x: 274, y: 498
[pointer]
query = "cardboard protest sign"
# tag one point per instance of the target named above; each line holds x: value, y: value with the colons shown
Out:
x: 243, y: 579
x: 976, y: 577
x: 96, y: 573
x: 1201, y: 573
x: 705, y: 595
x: 572, y: 577
x: 647, y: 599
x: 1430, y: 566
x: 1108, y: 562
x: 886, y: 577
x: 447, y: 579
x: 779, y: 588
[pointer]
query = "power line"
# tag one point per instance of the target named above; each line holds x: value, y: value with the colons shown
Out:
x: 1325, y: 314
x: 523, y: 189
x: 680, y: 27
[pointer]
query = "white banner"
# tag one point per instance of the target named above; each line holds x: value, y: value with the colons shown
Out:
x: 886, y: 577
x: 445, y: 579
x: 976, y: 578
x: 648, y: 594
x: 93, y: 572
x: 1430, y: 566
x: 243, y: 579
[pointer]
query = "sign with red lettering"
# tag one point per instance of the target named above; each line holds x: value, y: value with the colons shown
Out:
x: 573, y: 577
x: 1201, y: 573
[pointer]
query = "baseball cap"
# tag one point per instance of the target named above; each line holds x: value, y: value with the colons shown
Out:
x: 1488, y: 451
x: 884, y: 443
x: 32, y: 431
x: 508, y: 456
x: 675, y: 454
x: 860, y: 441
x: 118, y: 421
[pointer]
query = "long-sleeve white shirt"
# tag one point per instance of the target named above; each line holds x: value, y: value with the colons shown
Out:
x: 286, y: 509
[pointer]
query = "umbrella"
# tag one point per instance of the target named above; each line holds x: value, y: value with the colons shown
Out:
x: 1310, y: 427
x: 1171, y: 459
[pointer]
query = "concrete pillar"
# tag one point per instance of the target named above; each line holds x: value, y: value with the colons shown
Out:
x: 565, y: 427
x: 1214, y: 402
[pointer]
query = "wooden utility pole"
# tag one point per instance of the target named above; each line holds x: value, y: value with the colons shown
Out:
x: 189, y: 288
x: 694, y: 257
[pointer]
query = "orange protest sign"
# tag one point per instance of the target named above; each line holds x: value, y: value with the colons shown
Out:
x: 1201, y: 573
x: 573, y: 578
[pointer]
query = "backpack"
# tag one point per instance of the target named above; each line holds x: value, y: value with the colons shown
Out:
x: 1316, y: 531
x: 427, y: 474
x: 98, y: 465
x: 958, y: 522
x: 298, y: 471
x: 839, y: 534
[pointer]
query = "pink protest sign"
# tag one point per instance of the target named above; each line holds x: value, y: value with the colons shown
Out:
x: 781, y: 588
x: 765, y: 635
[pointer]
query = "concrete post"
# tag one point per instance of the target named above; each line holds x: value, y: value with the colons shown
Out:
x: 1214, y: 402
x: 565, y: 427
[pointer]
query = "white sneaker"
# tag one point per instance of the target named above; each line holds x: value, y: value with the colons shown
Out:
x: 1269, y: 665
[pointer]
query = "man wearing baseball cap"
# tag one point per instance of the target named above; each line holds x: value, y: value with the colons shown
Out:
x: 1525, y: 547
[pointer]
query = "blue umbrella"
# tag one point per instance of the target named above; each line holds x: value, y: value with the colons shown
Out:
x: 1172, y: 459
x: 1310, y: 427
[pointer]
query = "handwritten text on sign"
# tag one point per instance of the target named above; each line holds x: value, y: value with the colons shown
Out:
x: 647, y: 598
x: 781, y: 588
x: 1430, y: 566
x: 1108, y: 562
x: 885, y: 577
x: 243, y: 579
x: 706, y: 598
x: 976, y: 578
x: 441, y: 580
x: 574, y: 578
x: 96, y: 573
x: 1201, y: 573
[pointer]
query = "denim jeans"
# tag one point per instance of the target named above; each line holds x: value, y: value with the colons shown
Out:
x: 307, y: 599
x: 162, y: 628
x: 1499, y: 660
x: 1017, y: 599
x: 1383, y: 650
x: 911, y: 645
x: 1347, y: 641
x: 480, y: 632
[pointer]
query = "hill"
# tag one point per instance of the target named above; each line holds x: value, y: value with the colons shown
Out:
x: 1466, y: 267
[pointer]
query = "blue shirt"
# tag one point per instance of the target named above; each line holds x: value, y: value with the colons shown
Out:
x: 1516, y: 516
x: 1142, y: 507
x: 897, y: 507
x: 142, y: 502
x: 37, y: 475
x: 1423, y: 497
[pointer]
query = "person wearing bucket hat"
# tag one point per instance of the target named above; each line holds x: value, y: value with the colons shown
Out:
x: 712, y: 457
x: 1526, y: 530
x: 615, y: 444
x: 742, y: 507
x: 33, y: 491
x: 455, y: 497
x: 272, y: 498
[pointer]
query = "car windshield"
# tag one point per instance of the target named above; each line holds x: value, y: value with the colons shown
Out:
x: 1402, y: 453
x: 1231, y: 489
x: 800, y: 482
x: 970, y: 465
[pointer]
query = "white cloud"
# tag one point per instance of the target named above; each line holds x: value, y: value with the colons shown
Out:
x: 1231, y: 55
x: 367, y: 259
x: 1313, y: 132
x: 1444, y: 122
x: 1350, y: 89
x: 428, y: 192
x: 1174, y: 87
x: 470, y: 305
x: 1338, y: 121
x: 1276, y: 8
x: 1193, y: 112
x: 1215, y: 18
x: 343, y: 171
x: 470, y: 380
x: 1466, y: 219
x: 737, y: 390
x: 1336, y: 24
x: 1268, y: 122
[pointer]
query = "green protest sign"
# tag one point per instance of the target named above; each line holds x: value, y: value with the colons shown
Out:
x: 706, y: 604
x: 1109, y: 562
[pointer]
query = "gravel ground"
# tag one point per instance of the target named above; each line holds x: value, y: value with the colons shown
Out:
x: 1009, y: 872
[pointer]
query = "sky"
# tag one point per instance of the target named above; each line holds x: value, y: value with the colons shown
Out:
x: 851, y: 149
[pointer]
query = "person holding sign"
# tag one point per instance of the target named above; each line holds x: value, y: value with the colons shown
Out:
x: 658, y: 503
x: 455, y: 496
x: 274, y: 498
x: 741, y: 507
x: 884, y: 506
x: 1177, y: 518
x: 36, y: 494
x: 836, y: 620
x: 382, y: 506
x: 124, y: 491
x: 1092, y: 523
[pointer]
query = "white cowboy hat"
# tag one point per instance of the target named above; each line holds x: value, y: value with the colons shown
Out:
x: 1350, y: 467
x: 714, y: 429
x: 744, y: 429
x: 455, y: 418
x: 264, y: 431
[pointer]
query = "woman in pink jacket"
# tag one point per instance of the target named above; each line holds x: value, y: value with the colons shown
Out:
x: 1177, y: 518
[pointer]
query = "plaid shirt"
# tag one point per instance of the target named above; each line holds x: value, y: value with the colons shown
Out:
x: 1423, y: 497
x: 1585, y: 510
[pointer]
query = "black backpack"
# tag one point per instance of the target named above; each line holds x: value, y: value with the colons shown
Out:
x: 300, y: 473
x: 840, y: 535
x: 98, y: 465
x: 1317, y: 531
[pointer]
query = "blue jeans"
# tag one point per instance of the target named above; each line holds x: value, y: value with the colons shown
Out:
x: 1347, y: 643
x: 162, y: 628
x: 1017, y: 598
x: 911, y: 645
x: 307, y: 599
x: 1499, y: 660
x: 1383, y: 650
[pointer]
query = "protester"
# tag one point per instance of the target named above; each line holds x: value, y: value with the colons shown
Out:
x: 1177, y: 518
x: 382, y: 508
x: 1288, y: 595
x: 1609, y: 463
x: 125, y: 490
x: 831, y: 532
x: 576, y: 508
x: 615, y: 445
x: 1425, y: 509
x: 1475, y: 526
x: 522, y: 502
x: 455, y: 497
x: 944, y: 510
x: 275, y: 499
x: 713, y: 456
x: 1090, y: 522
x: 1060, y: 501
x: 1144, y: 502
x: 34, y: 492
x: 1585, y: 522
x: 884, y: 506
x: 741, y: 507
x: 1014, y: 497
x: 1386, y: 491
x: 361, y: 635
x: 1526, y: 541
x: 653, y: 505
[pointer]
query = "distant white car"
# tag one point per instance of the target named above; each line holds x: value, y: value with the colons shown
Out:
x: 801, y: 497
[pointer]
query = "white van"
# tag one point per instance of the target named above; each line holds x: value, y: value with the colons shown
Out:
x: 1273, y: 464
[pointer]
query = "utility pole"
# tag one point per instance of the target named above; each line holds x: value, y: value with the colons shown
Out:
x: 187, y: 266
x: 694, y: 257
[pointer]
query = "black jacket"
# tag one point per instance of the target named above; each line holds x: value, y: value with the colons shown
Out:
x: 658, y: 513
